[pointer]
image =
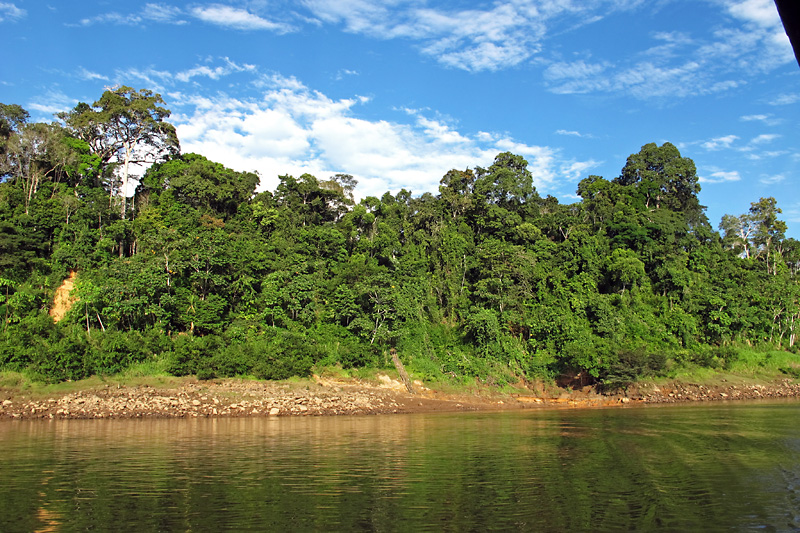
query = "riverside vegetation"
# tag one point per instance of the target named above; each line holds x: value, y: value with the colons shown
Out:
x: 197, y: 274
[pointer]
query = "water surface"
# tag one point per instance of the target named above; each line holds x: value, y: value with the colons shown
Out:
x: 708, y: 467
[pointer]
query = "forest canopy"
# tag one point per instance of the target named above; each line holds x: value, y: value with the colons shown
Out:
x: 487, y: 279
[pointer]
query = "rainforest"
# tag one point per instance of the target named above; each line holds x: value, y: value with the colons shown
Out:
x: 188, y: 270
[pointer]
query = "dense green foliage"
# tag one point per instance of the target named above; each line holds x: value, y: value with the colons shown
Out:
x: 485, y: 279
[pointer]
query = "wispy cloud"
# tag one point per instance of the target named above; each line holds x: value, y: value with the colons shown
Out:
x: 50, y: 103
x: 771, y: 180
x: 215, y: 73
x: 112, y: 18
x: 768, y: 154
x: 10, y: 12
x: 89, y: 75
x: 769, y: 120
x: 498, y: 36
x: 573, y: 133
x: 786, y: 99
x: 341, y: 74
x: 748, y: 41
x: 237, y: 19
x: 792, y: 213
x: 163, y: 13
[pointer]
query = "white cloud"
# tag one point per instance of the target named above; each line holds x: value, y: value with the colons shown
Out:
x: 760, y: 12
x: 577, y: 170
x: 720, y: 176
x: 764, y: 138
x: 292, y: 129
x: 10, y: 12
x: 769, y: 120
x: 719, y: 143
x: 238, y: 19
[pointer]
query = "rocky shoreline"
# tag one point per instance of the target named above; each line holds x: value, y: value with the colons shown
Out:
x: 240, y: 398
x: 676, y: 392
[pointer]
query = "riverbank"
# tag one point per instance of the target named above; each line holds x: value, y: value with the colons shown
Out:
x: 188, y: 397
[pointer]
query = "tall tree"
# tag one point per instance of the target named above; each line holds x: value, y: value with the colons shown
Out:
x: 125, y: 127
x: 662, y: 178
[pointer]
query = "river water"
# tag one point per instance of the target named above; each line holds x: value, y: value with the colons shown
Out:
x: 708, y: 467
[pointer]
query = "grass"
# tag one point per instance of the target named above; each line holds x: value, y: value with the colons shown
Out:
x: 751, y: 365
x: 745, y: 364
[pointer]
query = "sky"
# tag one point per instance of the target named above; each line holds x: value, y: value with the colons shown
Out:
x: 398, y: 92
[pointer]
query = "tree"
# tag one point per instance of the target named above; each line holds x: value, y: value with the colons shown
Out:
x: 507, y: 182
x: 500, y: 192
x: 194, y: 180
x: 12, y: 118
x: 737, y: 233
x: 455, y: 189
x: 124, y: 127
x: 769, y: 230
x: 662, y: 178
x: 33, y: 153
x: 756, y: 234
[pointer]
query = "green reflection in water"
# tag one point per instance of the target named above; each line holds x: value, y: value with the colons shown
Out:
x: 685, y: 468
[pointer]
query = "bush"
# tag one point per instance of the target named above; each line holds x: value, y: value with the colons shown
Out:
x: 111, y: 351
x: 338, y: 346
x: 632, y: 364
x: 193, y: 354
x: 65, y: 359
x: 288, y: 354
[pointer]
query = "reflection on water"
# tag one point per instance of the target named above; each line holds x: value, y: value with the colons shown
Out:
x: 676, y: 468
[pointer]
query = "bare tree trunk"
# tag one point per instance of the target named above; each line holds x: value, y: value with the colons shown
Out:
x: 124, y: 187
x: 402, y: 371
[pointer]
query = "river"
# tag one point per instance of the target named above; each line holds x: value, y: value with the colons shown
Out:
x: 694, y: 467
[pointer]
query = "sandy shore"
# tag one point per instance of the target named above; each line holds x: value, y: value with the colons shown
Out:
x: 236, y: 398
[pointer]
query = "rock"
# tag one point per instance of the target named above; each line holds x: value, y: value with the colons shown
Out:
x: 196, y: 402
x: 6, y: 403
x: 274, y: 411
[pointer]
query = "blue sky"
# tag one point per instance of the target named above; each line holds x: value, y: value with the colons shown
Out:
x: 398, y: 92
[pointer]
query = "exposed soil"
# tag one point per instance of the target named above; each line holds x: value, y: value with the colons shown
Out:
x: 237, y: 398
x: 62, y: 302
